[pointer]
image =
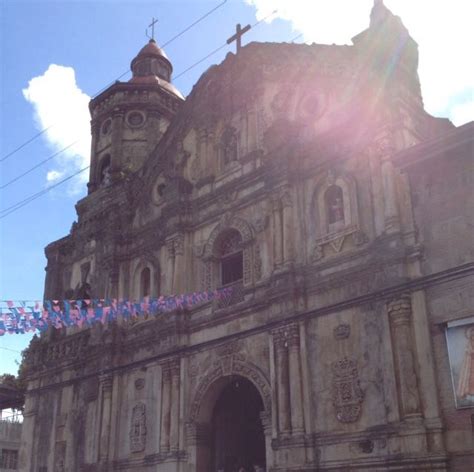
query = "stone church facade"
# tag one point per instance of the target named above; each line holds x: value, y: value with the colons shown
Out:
x: 310, y: 180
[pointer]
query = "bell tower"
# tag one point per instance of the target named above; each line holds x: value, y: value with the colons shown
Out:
x: 130, y: 118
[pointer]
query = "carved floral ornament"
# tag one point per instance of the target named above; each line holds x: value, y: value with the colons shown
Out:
x: 347, y: 396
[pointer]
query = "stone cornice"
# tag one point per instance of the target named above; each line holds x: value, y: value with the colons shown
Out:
x: 438, y: 147
x: 386, y: 293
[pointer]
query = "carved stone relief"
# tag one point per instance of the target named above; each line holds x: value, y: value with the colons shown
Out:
x: 342, y: 331
x: 138, y: 428
x: 139, y: 383
x: 347, y: 395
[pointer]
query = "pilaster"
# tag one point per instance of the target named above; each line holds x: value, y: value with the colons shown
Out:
x: 105, y: 382
x: 400, y: 316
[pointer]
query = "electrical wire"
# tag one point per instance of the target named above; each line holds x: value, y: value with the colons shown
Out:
x: 8, y: 349
x: 119, y: 77
x: 25, y: 143
x: 22, y: 203
x: 218, y: 49
x: 38, y: 165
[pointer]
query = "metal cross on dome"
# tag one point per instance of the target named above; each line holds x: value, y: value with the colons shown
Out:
x: 152, y: 26
x: 237, y: 37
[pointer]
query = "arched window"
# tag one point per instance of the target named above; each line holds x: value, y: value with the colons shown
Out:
x: 231, y: 257
x: 334, y: 203
x: 145, y: 282
x: 104, y: 172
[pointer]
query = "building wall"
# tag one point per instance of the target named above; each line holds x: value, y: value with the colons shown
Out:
x: 335, y: 320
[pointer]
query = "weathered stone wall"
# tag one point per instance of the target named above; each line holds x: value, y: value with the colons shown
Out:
x: 337, y: 313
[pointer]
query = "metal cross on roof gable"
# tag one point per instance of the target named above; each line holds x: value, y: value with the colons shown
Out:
x: 237, y: 37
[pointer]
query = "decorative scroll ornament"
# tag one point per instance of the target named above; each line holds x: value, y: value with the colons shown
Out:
x: 347, y: 395
x: 138, y: 428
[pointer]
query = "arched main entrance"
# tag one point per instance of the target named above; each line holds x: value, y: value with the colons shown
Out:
x: 237, y: 438
x: 229, y: 424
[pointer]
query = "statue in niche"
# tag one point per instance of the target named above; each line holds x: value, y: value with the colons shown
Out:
x: 105, y: 177
x: 465, y: 385
x: 229, y: 146
x: 84, y: 290
x: 138, y: 428
x: 334, y: 208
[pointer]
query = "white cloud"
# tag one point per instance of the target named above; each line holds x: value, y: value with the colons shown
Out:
x: 441, y: 28
x: 62, y: 106
x: 463, y: 112
x: 53, y: 175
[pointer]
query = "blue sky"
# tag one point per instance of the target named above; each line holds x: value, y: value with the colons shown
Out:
x: 92, y: 43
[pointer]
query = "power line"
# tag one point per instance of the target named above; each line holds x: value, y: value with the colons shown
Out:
x: 37, y: 165
x: 195, y: 23
x: 219, y: 48
x: 29, y: 199
x: 8, y: 349
x: 22, y: 203
x: 25, y: 143
x: 119, y: 77
x: 199, y: 62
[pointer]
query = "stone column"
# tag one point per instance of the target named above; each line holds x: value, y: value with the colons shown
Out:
x: 288, y: 227
x: 175, y: 398
x: 400, y: 316
x: 114, y: 282
x: 386, y: 148
x: 116, y: 145
x: 267, y: 432
x: 198, y: 441
x: 106, y: 416
x: 170, y: 265
x: 165, y: 409
x: 277, y: 234
x: 251, y: 129
x: 178, y: 271
x: 281, y: 361
x: 296, y: 397
x: 92, y: 185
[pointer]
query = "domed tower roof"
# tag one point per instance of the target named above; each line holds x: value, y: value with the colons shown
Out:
x: 152, y: 66
x: 150, y: 51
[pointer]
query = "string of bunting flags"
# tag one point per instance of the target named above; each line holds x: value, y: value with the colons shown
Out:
x: 19, y: 317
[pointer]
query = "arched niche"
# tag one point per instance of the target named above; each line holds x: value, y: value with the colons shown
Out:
x: 228, y: 147
x: 103, y: 170
x: 334, y: 208
x: 146, y: 273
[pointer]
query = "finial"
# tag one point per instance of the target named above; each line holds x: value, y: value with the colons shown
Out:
x: 152, y: 26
